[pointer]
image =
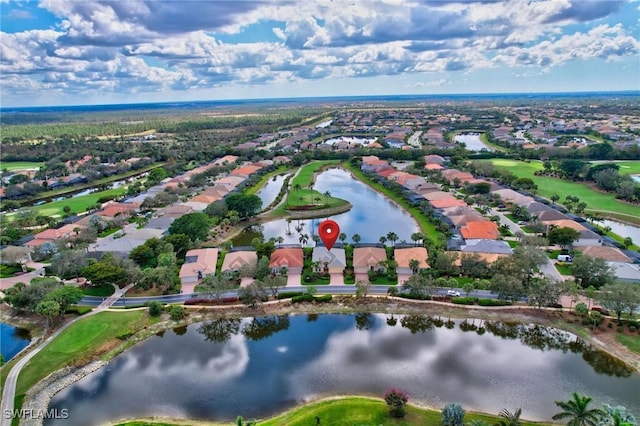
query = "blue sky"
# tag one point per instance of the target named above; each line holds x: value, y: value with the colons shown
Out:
x: 69, y: 52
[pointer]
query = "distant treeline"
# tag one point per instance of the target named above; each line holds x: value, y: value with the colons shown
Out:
x: 15, y: 133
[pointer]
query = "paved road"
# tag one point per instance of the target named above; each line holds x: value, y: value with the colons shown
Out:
x: 9, y: 391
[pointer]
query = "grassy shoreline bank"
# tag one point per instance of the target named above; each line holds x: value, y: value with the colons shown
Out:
x: 335, y: 410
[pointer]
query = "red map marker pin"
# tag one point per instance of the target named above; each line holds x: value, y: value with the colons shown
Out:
x: 329, y: 232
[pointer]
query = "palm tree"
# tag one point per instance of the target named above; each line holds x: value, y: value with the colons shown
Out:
x: 628, y: 242
x: 417, y: 236
x: 393, y: 237
x: 327, y: 194
x: 356, y: 238
x: 414, y: 264
x: 304, y: 239
x: 510, y: 419
x: 342, y: 237
x: 577, y: 413
x: 297, y: 187
x: 383, y: 240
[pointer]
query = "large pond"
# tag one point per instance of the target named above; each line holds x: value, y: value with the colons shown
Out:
x: 472, y: 142
x: 12, y: 340
x: 270, y: 190
x: 372, y: 215
x: 258, y: 367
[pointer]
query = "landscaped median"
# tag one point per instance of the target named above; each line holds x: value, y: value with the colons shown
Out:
x: 348, y: 410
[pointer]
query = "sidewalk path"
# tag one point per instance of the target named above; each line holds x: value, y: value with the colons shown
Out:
x: 9, y: 391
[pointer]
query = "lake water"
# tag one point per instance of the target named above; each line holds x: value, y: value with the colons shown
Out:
x: 270, y: 190
x: 12, y: 340
x: 623, y: 229
x: 372, y: 215
x: 258, y: 367
x: 472, y: 142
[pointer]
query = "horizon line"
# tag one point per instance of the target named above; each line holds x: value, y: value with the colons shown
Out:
x: 300, y: 98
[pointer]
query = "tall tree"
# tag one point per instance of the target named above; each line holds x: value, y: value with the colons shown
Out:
x: 193, y: 225
x: 576, y: 411
x: 620, y: 297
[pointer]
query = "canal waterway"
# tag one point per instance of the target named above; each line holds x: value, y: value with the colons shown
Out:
x: 371, y: 217
x: 259, y: 367
x: 271, y: 189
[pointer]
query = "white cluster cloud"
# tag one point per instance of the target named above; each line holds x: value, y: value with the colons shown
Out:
x: 150, y: 46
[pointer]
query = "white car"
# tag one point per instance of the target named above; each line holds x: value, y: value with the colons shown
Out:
x: 453, y: 293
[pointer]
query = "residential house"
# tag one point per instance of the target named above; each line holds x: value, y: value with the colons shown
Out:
x: 291, y: 258
x: 586, y: 238
x: 610, y: 254
x: 403, y: 257
x: 367, y: 259
x: 329, y: 261
x: 198, y: 263
x: 626, y: 272
x: 122, y: 242
x: 235, y: 260
x: 480, y: 230
x: 486, y: 246
x: 510, y: 196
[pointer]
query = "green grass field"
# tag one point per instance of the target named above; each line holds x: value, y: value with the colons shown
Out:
x: 77, y: 204
x: 631, y: 342
x: 628, y: 167
x: 78, y: 342
x: 13, y: 166
x: 306, y: 196
x: 601, y: 202
x: 365, y: 411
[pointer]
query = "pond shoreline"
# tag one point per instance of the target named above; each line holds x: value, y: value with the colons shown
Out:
x: 40, y: 396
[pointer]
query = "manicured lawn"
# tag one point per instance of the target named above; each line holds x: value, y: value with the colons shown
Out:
x: 102, y: 291
x: 547, y: 186
x: 77, y: 204
x: 78, y: 342
x: 263, y: 180
x: 564, y: 268
x: 628, y: 167
x: 7, y: 271
x: 426, y: 226
x: 631, y: 342
x: 13, y: 166
x: 365, y: 411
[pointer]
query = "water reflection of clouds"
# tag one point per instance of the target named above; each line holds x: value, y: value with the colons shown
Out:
x: 458, y: 367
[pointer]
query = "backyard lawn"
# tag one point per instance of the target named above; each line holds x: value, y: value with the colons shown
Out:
x: 547, y: 186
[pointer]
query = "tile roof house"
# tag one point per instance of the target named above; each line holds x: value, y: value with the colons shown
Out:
x: 626, y: 272
x: 403, y: 257
x: 118, y: 209
x: 289, y: 257
x: 511, y: 196
x: 452, y: 174
x: 587, y: 237
x: 175, y: 211
x: 227, y: 159
x: 486, y: 246
x: 434, y: 159
x: 447, y: 202
x: 330, y: 261
x: 487, y: 257
x: 367, y: 259
x: 198, y: 263
x: 607, y: 253
x: 480, y: 230
x: 121, y: 244
x: 235, y: 260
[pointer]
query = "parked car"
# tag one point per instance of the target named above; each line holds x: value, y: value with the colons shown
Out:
x: 453, y: 293
x: 600, y: 309
x: 565, y: 258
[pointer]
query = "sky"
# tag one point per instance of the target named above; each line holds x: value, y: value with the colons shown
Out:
x: 77, y: 52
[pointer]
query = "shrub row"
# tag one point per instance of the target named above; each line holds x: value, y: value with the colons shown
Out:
x: 415, y: 296
x: 493, y: 302
x: 79, y: 310
x: 309, y: 298
x: 289, y: 294
x: 463, y: 300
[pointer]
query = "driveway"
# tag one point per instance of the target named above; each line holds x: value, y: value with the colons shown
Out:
x: 294, y: 280
x: 402, y: 278
x: 336, y: 279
